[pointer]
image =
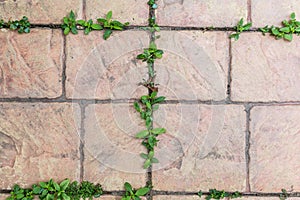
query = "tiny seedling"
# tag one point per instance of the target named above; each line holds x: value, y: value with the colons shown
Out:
x: 286, y: 32
x: 69, y: 24
x: 23, y: 25
x: 1, y: 23
x: 131, y: 194
x: 220, y: 194
x: 109, y: 25
x: 89, y: 26
x: 152, y: 4
x: 240, y: 28
x: 150, y: 54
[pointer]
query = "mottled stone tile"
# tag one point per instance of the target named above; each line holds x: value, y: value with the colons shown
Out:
x: 39, y: 11
x: 31, y: 65
x: 265, y: 69
x: 190, y: 13
x: 112, y: 153
x: 274, y: 148
x: 133, y: 11
x: 194, y: 65
x: 170, y: 197
x: 202, y: 149
x: 265, y: 12
x: 106, y: 69
x: 38, y: 142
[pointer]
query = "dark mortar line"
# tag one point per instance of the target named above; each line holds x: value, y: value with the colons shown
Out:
x: 82, y: 139
x: 248, y: 108
x: 249, y: 11
x: 84, y: 9
x: 229, y: 73
x: 64, y: 67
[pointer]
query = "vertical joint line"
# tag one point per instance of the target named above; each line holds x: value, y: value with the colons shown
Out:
x: 84, y: 9
x: 82, y: 139
x: 64, y: 67
x: 229, y: 79
x: 249, y: 10
x: 248, y: 108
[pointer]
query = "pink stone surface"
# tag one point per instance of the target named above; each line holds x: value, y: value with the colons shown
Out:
x: 39, y: 11
x: 265, y: 69
x: 265, y: 12
x: 106, y: 69
x: 133, y: 11
x: 201, y: 154
x: 274, y: 148
x: 111, y: 151
x: 38, y: 142
x: 169, y: 197
x: 191, y: 13
x: 31, y: 65
x: 194, y: 65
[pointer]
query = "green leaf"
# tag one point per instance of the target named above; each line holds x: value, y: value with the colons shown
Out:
x: 152, y: 45
x: 137, y: 107
x: 147, y: 164
x: 74, y: 30
x: 247, y: 26
x: 240, y: 23
x: 285, y: 29
x: 275, y: 31
x: 50, y: 197
x: 154, y: 160
x: 288, y: 37
x: 36, y: 189
x: 142, y: 191
x: 141, y: 56
x: 64, y: 184
x: 143, y: 155
x: 72, y: 15
x: 128, y: 187
x: 19, y: 196
x: 43, y: 184
x: 97, y: 27
x: 108, y: 15
x: 56, y: 186
x: 159, y: 100
x: 142, y: 134
x: 107, y: 34
x: 81, y: 22
x: 293, y: 15
x: 65, y: 197
x: 151, y: 154
x: 158, y: 131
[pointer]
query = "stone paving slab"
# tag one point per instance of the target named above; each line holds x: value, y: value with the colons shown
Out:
x: 112, y: 154
x: 38, y: 142
x: 190, y: 13
x: 194, y: 65
x: 274, y: 148
x: 31, y: 65
x: 164, y: 197
x: 133, y: 11
x: 265, y: 69
x: 106, y: 69
x: 201, y: 156
x: 39, y: 11
x: 265, y: 12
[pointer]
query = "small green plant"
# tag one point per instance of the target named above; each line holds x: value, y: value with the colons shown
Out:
x: 152, y: 4
x: 89, y: 26
x: 23, y: 25
x: 286, y: 32
x: 239, y: 28
x: 1, y: 23
x: 53, y: 191
x: 131, y: 194
x: 109, y: 25
x: 69, y: 24
x: 220, y: 194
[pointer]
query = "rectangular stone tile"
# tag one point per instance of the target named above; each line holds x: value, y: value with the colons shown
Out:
x: 4, y: 196
x: 31, y: 65
x: 194, y: 65
x: 38, y: 142
x: 265, y: 69
x: 133, y: 11
x: 274, y: 148
x: 112, y: 153
x: 169, y: 197
x: 190, y: 13
x: 266, y: 12
x: 204, y: 148
x: 39, y: 11
x: 106, y: 69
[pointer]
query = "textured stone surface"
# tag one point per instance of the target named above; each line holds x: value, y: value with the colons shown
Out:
x: 194, y: 65
x: 39, y: 11
x: 164, y: 197
x: 274, y: 150
x: 265, y: 12
x: 264, y: 69
x: 133, y: 11
x: 31, y: 65
x: 201, y: 156
x: 106, y: 69
x: 3, y: 196
x: 111, y: 151
x: 201, y: 13
x: 37, y: 142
